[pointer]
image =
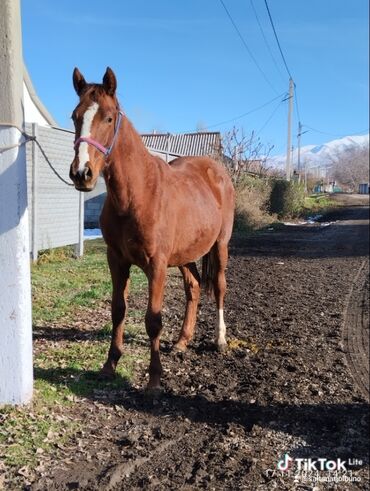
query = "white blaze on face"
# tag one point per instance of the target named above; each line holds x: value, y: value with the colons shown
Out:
x: 220, y: 328
x: 83, y: 149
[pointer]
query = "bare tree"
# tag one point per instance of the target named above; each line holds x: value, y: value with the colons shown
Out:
x: 245, y: 153
x: 351, y: 167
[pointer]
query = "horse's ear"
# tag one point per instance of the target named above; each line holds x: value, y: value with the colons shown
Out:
x: 109, y: 82
x: 79, y: 83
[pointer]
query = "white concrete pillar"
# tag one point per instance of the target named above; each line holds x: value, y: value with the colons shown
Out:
x: 16, y: 377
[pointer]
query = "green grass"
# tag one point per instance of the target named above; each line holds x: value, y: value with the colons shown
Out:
x: 62, y: 373
x: 25, y: 435
x: 65, y: 371
x: 61, y: 284
x: 317, y: 203
x: 72, y: 368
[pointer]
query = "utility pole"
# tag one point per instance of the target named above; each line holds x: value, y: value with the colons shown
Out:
x: 288, y: 169
x: 299, y: 147
x: 16, y: 377
x: 305, y: 176
x: 300, y: 133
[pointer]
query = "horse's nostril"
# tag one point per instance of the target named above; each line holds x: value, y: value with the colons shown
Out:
x: 87, y: 173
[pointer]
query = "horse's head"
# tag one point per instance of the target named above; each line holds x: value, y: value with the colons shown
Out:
x: 97, y: 118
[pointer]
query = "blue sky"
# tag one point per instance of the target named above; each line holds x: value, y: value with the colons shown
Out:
x: 181, y: 65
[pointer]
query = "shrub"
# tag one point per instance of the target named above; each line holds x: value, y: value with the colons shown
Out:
x: 286, y: 198
x: 251, y: 202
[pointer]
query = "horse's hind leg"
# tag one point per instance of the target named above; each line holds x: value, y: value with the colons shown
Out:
x: 219, y: 284
x: 120, y: 280
x: 192, y: 292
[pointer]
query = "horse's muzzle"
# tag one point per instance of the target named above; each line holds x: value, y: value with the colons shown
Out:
x: 82, y: 179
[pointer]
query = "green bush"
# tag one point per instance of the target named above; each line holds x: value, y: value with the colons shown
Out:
x: 286, y: 198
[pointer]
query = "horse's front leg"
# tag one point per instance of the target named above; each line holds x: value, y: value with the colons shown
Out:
x: 153, y: 320
x: 120, y: 273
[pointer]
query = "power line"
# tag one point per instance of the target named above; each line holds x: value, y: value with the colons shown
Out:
x: 247, y: 47
x: 266, y: 41
x: 245, y: 114
x: 292, y: 86
x: 269, y: 118
x: 296, y: 104
x: 332, y: 134
x: 277, y: 40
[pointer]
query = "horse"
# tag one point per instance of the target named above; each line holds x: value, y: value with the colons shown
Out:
x: 156, y: 215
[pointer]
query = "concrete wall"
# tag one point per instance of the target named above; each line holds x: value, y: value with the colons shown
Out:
x: 54, y: 207
x: 94, y: 203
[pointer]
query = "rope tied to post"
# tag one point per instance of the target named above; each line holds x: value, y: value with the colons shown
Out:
x: 28, y: 138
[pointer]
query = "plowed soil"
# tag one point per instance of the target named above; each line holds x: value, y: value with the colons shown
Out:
x: 293, y: 381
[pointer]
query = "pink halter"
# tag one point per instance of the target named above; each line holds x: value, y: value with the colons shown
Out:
x: 104, y: 150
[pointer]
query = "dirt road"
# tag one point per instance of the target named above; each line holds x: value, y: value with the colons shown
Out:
x: 294, y: 380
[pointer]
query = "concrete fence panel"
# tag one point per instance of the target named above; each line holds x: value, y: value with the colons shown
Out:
x: 55, y: 209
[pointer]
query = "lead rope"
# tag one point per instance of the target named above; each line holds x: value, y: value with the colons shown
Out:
x: 28, y: 138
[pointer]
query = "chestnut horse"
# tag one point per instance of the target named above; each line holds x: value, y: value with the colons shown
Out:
x: 155, y: 215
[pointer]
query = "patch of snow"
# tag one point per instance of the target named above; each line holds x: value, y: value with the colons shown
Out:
x: 92, y: 233
x: 294, y: 224
x: 310, y: 221
x: 314, y: 218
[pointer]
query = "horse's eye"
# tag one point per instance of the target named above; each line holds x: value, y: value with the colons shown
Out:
x: 109, y: 120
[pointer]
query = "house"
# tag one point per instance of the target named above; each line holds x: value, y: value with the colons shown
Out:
x: 34, y: 109
x: 170, y: 146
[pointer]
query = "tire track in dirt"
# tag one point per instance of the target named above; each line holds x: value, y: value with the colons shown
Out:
x: 114, y: 476
x: 356, y: 329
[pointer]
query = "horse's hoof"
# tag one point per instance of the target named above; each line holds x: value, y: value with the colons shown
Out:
x: 106, y: 374
x: 153, y: 392
x: 179, y: 348
x: 222, y: 347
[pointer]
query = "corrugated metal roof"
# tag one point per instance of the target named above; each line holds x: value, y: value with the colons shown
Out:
x: 187, y: 144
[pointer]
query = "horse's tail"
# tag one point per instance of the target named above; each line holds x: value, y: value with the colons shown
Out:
x: 209, y: 270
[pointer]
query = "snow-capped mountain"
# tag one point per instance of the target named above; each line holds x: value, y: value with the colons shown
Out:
x: 321, y: 155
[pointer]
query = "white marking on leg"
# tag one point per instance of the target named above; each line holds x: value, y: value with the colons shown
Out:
x: 83, y: 150
x: 220, y: 328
